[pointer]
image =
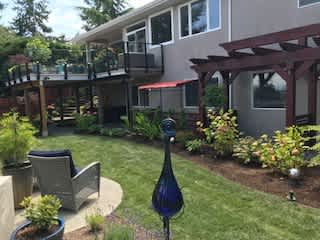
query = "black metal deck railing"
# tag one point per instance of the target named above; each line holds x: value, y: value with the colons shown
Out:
x: 121, y: 57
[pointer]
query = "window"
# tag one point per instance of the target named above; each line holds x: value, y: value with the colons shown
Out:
x: 307, y: 2
x: 199, y: 16
x: 269, y: 90
x: 161, y: 28
x: 136, y: 36
x: 144, y: 97
x: 135, y: 97
x: 192, y: 94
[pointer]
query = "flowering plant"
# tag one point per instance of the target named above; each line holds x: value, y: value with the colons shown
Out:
x: 247, y: 150
x: 222, y: 131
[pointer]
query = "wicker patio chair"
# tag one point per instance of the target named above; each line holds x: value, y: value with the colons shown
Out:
x: 56, y: 177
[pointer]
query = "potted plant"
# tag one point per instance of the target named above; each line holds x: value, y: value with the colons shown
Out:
x: 42, y: 220
x: 17, y: 136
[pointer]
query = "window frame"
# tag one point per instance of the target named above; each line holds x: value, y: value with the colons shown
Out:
x: 190, y: 19
x: 252, y: 93
x: 150, y: 27
x: 135, y: 31
x: 306, y: 5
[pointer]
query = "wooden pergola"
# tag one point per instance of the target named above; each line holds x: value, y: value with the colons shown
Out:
x: 291, y: 54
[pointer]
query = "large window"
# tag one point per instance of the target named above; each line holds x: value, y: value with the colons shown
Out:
x: 136, y: 36
x: 161, y: 28
x: 192, y: 94
x: 269, y: 91
x: 303, y: 3
x: 199, y: 16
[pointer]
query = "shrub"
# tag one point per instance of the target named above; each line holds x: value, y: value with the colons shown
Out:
x: 17, y: 137
x: 215, y: 97
x: 117, y: 232
x: 315, y: 161
x: 184, y: 136
x: 95, y: 222
x: 247, y: 150
x: 286, y: 151
x: 42, y: 214
x: 84, y: 122
x: 222, y: 131
x: 94, y: 129
x: 194, y: 145
x: 145, y: 127
x: 182, y: 123
x: 114, y: 132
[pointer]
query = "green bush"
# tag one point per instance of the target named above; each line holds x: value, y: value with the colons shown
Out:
x: 194, y: 146
x: 315, y: 161
x: 117, y: 232
x: 84, y: 122
x: 94, y: 129
x: 95, y: 222
x: 182, y: 123
x: 42, y: 214
x: 146, y: 127
x: 114, y: 132
x: 285, y: 151
x: 247, y: 150
x: 17, y: 137
x: 184, y: 136
x: 215, y: 97
x: 222, y: 131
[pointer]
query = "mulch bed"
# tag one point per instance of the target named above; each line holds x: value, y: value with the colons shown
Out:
x: 140, y: 233
x: 307, y: 192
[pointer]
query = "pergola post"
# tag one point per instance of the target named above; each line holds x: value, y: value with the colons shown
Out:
x: 27, y: 103
x: 226, y: 89
x: 202, y: 107
x: 100, y: 105
x: 312, y: 94
x: 291, y: 99
x: 43, y: 110
x: 77, y: 100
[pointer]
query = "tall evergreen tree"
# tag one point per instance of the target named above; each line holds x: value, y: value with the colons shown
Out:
x: 31, y: 17
x: 98, y: 12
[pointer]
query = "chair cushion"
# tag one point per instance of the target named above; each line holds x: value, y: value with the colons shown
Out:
x: 58, y: 153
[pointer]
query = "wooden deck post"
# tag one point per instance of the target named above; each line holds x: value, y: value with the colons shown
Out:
x: 60, y: 92
x: 100, y: 105
x: 27, y: 104
x: 77, y: 99
x: 43, y: 110
x: 312, y: 94
x: 129, y: 102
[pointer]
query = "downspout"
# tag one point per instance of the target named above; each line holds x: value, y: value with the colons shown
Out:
x: 230, y: 39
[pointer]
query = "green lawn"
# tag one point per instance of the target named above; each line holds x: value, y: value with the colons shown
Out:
x: 215, y: 208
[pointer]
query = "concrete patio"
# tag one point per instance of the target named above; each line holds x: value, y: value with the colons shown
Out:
x: 110, y: 198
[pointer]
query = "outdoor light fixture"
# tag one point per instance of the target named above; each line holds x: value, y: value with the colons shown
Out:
x: 167, y: 199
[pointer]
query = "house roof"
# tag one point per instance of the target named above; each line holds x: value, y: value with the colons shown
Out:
x: 126, y: 19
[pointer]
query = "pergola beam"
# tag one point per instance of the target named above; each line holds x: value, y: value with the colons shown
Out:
x: 306, y: 54
x: 291, y: 47
x: 277, y: 37
x: 263, y: 51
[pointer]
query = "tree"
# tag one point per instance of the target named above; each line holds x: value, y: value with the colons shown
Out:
x: 99, y: 12
x: 38, y: 50
x: 31, y: 17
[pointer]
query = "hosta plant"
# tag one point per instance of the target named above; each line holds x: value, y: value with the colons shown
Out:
x: 222, y: 131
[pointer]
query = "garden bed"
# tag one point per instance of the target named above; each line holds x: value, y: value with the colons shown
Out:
x: 140, y: 233
x: 307, y: 192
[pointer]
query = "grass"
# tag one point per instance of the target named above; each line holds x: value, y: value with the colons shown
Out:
x: 215, y: 207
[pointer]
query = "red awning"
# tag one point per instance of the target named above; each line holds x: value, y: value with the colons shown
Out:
x: 159, y: 85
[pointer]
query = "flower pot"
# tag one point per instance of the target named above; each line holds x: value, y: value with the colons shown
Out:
x: 57, y: 235
x: 21, y: 181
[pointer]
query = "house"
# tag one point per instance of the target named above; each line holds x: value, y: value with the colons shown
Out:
x: 195, y: 29
x: 149, y: 51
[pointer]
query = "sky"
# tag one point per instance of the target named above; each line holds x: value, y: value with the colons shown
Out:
x: 64, y: 18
